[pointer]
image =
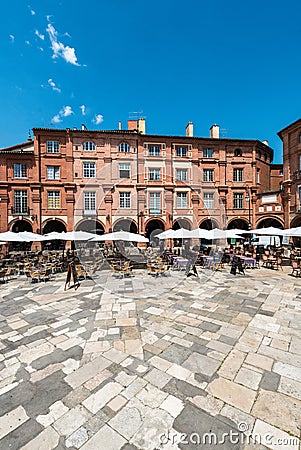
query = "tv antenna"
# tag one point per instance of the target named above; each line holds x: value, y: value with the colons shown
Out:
x: 223, y: 132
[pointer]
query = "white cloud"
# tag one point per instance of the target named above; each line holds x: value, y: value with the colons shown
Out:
x: 53, y: 85
x: 12, y: 38
x: 97, y: 119
x: 59, y: 49
x: 41, y: 36
x: 32, y: 12
x: 66, y: 111
x: 83, y: 109
x: 27, y: 42
x: 56, y: 119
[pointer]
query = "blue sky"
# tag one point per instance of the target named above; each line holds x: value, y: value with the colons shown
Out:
x: 234, y: 63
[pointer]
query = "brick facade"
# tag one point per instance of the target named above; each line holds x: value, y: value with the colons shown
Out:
x: 126, y: 179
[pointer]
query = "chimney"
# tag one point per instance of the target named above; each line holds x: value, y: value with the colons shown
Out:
x: 265, y: 142
x: 189, y: 129
x: 132, y: 125
x: 214, y: 131
x: 141, y: 126
x: 119, y: 125
x: 84, y: 128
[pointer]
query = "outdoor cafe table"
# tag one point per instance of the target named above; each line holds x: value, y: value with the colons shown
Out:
x: 248, y: 262
x: 180, y: 263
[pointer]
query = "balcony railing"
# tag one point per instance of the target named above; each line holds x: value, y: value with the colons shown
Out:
x: 19, y: 211
x: 89, y: 212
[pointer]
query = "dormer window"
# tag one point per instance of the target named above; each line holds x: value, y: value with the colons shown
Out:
x: 88, y: 146
x: 124, y: 147
x: 237, y: 152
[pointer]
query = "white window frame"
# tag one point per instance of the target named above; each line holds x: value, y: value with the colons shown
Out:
x: 124, y: 147
x: 126, y: 168
x: 124, y: 200
x: 238, y: 174
x: 20, y: 170
x: 155, y: 202
x: 180, y: 173
x: 90, y: 201
x: 53, y: 172
x: 182, y: 200
x: 154, y: 150
x: 89, y: 146
x: 53, y: 200
x: 154, y: 174
x: 89, y: 169
x: 208, y: 152
x: 52, y: 147
x: 209, y: 200
x: 181, y: 151
x: 208, y: 175
x: 238, y: 200
x: 20, y: 201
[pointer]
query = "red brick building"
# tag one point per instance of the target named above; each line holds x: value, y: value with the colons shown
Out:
x: 291, y: 138
x: 126, y: 179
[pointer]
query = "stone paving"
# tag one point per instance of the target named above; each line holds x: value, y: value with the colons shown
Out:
x: 154, y: 368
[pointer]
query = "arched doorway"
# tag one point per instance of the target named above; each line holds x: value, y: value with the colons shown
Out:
x: 154, y: 227
x: 21, y: 225
x: 49, y: 227
x: 181, y: 223
x: 270, y: 222
x: 90, y: 226
x: 239, y: 224
x: 18, y: 227
x: 125, y: 225
x: 208, y: 224
x: 54, y: 225
x: 296, y: 222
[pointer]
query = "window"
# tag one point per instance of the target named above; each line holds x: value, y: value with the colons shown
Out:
x: 124, y: 147
x: 154, y: 174
x: 154, y: 150
x: 124, y: 170
x: 258, y: 176
x: 237, y: 152
x: 181, y: 174
x: 209, y: 200
x: 90, y: 202
x: 19, y: 170
x: 155, y: 203
x: 238, y: 174
x: 181, y: 151
x: 89, y: 146
x: 124, y: 199
x: 299, y: 162
x: 181, y: 199
x: 208, y: 175
x: 20, y: 202
x: 259, y: 155
x: 53, y: 172
x: 208, y: 153
x: 54, y: 199
x: 299, y: 137
x: 238, y: 201
x: 89, y: 170
x: 52, y: 146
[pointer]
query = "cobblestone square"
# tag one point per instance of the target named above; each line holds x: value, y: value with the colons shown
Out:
x: 97, y: 369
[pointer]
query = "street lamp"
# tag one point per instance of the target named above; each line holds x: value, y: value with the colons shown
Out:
x: 248, y: 199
